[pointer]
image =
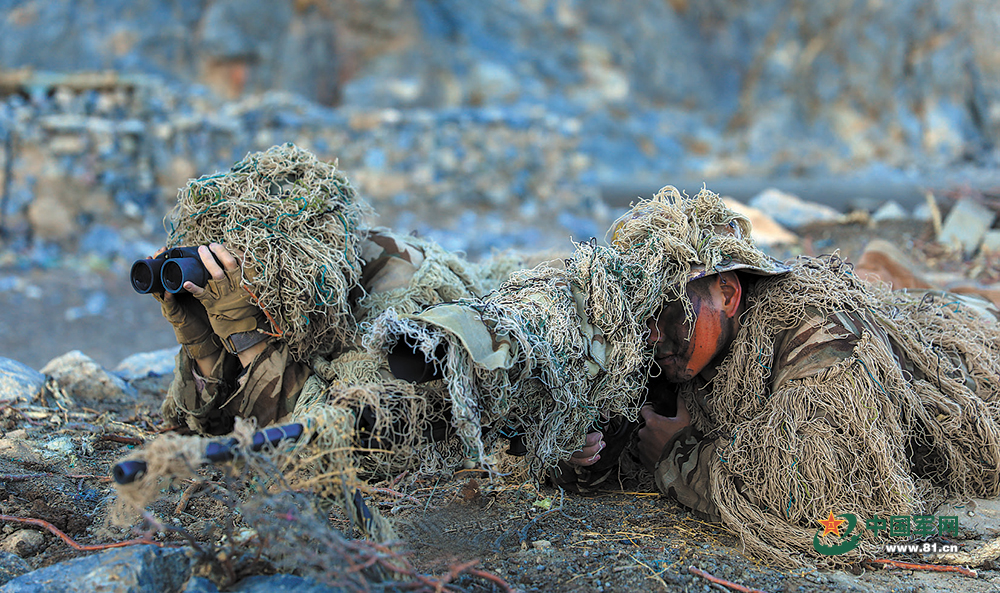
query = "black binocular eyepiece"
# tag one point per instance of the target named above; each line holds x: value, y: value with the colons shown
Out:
x: 168, y: 271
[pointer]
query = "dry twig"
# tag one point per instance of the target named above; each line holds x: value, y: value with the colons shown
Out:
x: 931, y: 567
x: 71, y: 542
x: 728, y: 584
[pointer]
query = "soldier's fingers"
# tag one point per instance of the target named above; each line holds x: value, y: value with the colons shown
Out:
x: 647, y: 413
x: 192, y: 288
x: 593, y: 438
x: 589, y: 450
x: 158, y: 252
x: 211, y: 266
x: 225, y: 257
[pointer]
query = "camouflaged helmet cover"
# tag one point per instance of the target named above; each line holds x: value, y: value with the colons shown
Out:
x: 673, y: 239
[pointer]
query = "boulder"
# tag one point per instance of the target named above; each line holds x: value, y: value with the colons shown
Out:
x: 12, y: 566
x: 135, y: 569
x: 966, y: 224
x: 792, y: 211
x: 19, y: 381
x: 86, y: 381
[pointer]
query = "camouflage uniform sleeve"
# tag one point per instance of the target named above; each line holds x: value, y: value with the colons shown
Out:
x: 265, y: 390
x: 683, y: 472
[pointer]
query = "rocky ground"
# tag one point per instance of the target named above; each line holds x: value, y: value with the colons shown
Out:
x: 57, y: 450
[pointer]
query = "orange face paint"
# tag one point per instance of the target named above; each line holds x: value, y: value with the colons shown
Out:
x: 681, y: 353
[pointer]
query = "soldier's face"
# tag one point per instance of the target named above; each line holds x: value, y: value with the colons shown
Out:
x: 682, y: 353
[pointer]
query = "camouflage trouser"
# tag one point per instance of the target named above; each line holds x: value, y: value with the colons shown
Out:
x: 265, y: 390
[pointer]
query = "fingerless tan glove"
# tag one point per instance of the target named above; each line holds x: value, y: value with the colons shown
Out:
x: 191, y: 325
x: 234, y: 317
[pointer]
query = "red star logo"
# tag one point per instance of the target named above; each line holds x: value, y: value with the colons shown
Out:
x: 831, y: 525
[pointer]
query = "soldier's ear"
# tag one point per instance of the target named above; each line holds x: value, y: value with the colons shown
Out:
x: 732, y: 292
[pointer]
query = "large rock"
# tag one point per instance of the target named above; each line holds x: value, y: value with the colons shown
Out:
x: 11, y: 567
x: 143, y: 365
x: 19, y: 380
x: 791, y: 211
x: 966, y: 224
x: 135, y: 569
x: 86, y: 381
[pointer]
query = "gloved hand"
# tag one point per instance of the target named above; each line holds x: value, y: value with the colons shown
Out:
x: 191, y: 324
x: 231, y: 312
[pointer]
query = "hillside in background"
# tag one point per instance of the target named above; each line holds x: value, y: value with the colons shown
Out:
x: 481, y: 123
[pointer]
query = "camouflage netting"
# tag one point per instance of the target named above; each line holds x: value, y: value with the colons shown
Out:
x: 556, y: 350
x: 296, y: 220
x: 779, y: 470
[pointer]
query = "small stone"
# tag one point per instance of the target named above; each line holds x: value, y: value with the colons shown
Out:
x: 62, y: 447
x: 791, y: 211
x: 25, y: 542
x: 891, y: 210
x: 541, y: 544
x: 966, y: 224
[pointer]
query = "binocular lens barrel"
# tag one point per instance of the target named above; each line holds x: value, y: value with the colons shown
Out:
x: 145, y: 275
x: 177, y: 271
x: 168, y: 271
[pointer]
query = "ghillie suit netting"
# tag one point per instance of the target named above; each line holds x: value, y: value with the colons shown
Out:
x: 319, y: 274
x: 554, y: 352
x: 296, y: 221
x: 547, y: 356
x: 919, y: 388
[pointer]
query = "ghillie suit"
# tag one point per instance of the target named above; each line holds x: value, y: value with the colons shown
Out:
x: 314, y: 269
x: 553, y: 353
x: 317, y: 273
x: 836, y: 395
x: 297, y: 221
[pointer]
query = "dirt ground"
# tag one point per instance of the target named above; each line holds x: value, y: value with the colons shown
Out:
x: 55, y: 463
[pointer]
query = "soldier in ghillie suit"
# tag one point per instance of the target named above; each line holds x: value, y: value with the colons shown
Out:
x: 757, y: 393
x: 775, y: 393
x: 782, y: 393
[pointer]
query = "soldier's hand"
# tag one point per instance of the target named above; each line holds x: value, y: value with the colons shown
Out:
x: 211, y: 263
x: 658, y: 431
x: 231, y: 311
x: 190, y: 320
x: 591, y: 451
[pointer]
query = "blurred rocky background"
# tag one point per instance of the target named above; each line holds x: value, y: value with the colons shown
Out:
x: 485, y: 125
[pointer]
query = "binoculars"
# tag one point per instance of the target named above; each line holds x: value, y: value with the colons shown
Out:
x: 168, y: 271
